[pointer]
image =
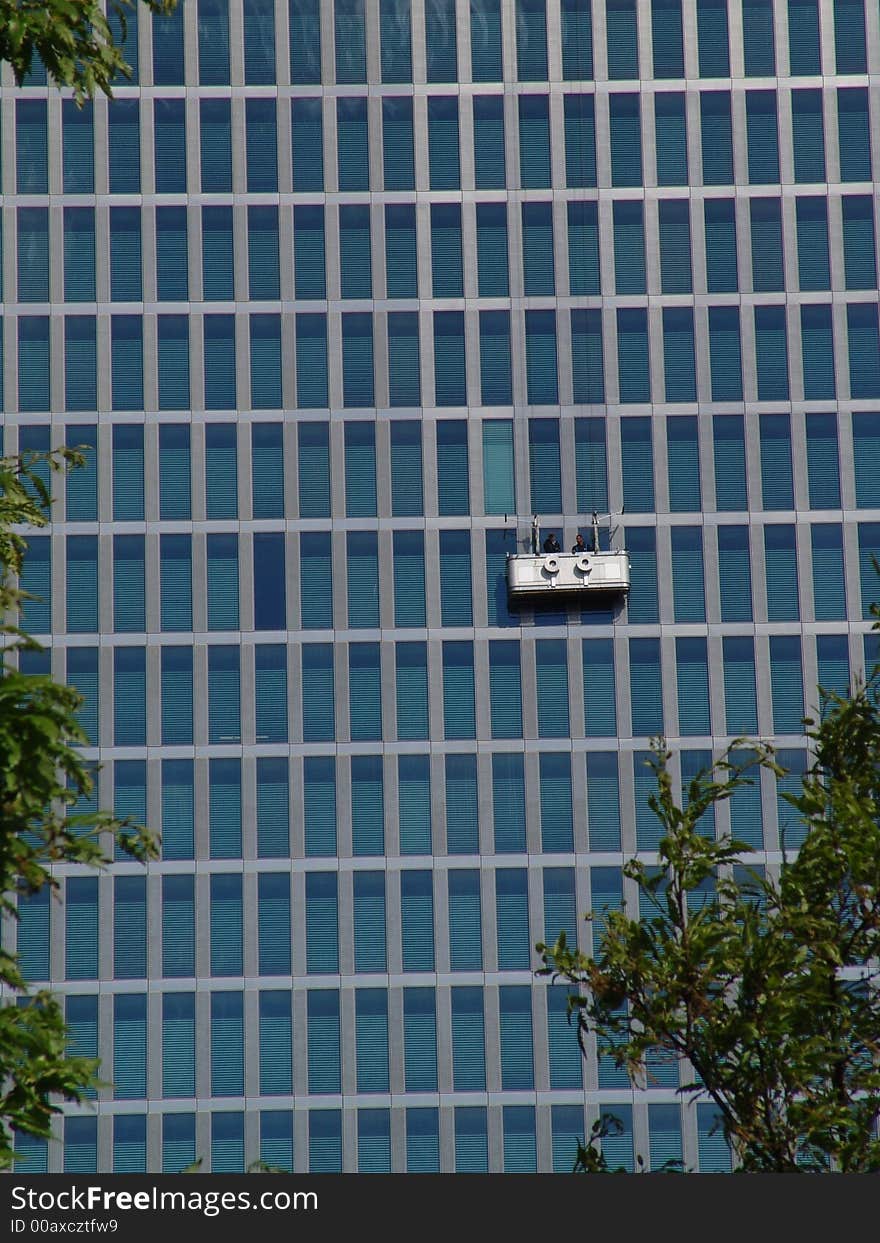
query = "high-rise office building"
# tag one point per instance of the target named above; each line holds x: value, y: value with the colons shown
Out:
x: 339, y: 295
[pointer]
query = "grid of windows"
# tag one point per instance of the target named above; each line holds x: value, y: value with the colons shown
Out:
x: 323, y: 385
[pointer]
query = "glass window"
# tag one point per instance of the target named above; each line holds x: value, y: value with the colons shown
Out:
x: 31, y: 147
x: 864, y: 350
x: 259, y: 41
x: 804, y: 53
x: 734, y: 573
x: 626, y: 140
x: 766, y: 228
x: 552, y: 688
x: 531, y: 40
x: 397, y: 143
x: 414, y: 798
x: 675, y: 247
x: 173, y: 362
x: 446, y: 257
x: 355, y: 255
x: 129, y: 697
x: 646, y: 688
x: 776, y: 470
x: 557, y: 836
x: 80, y: 363
x: 462, y: 829
x: 417, y: 920
x: 512, y: 919
x: 808, y: 136
x: 33, y: 254
x: 851, y: 55
x: 458, y: 690
x: 787, y: 684
x: 716, y: 138
x: 468, y: 1040
x: 505, y: 689
x: 319, y: 806
x: 678, y: 354
x: 401, y: 267
x: 780, y: 564
x: 311, y: 361
x: 580, y: 140
x: 276, y: 1077
x: 33, y: 363
x: 215, y: 138
x: 455, y: 578
x: 395, y: 33
x: 168, y: 50
x: 489, y: 163
x: 588, y: 374
x: 224, y: 697
x: 642, y: 546
x: 322, y: 936
x: 364, y: 692
x: 739, y: 685
x: 316, y: 583
x: 687, y: 574
x: 634, y: 373
x: 367, y: 805
x: 600, y: 711
x: 411, y: 684
x: 670, y: 130
x: 508, y: 791
x: 79, y: 254
x: 814, y: 267
x: 771, y: 353
x: 534, y: 142
x: 758, y: 46
x: 629, y: 247
x: 352, y: 144
x: 859, y: 250
x: 443, y: 160
x: 712, y: 39
x: 441, y: 42
x: 169, y: 137
x: 305, y: 43
x: 213, y: 28
x: 666, y: 37
x: 357, y: 360
x: 369, y: 921
x: 692, y: 683
x: 82, y: 484
x: 177, y: 704
x: 307, y: 144
x: 270, y: 596
x: 450, y: 383
x: 854, y: 134
x: 486, y: 58
x: 128, y: 583
x: 517, y: 1054
x: 261, y: 145
x: 725, y: 356
x: 351, y: 53
x: 273, y: 802
x: 123, y: 121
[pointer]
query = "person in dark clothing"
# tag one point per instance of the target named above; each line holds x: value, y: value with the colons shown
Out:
x: 579, y: 546
x: 551, y: 543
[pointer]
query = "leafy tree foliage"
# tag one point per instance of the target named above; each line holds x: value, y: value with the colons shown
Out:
x: 73, y: 39
x: 42, y: 778
x: 766, y: 987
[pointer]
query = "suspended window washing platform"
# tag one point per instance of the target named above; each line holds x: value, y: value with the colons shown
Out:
x: 588, y: 572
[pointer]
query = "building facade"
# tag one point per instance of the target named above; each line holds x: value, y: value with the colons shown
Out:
x: 339, y: 295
